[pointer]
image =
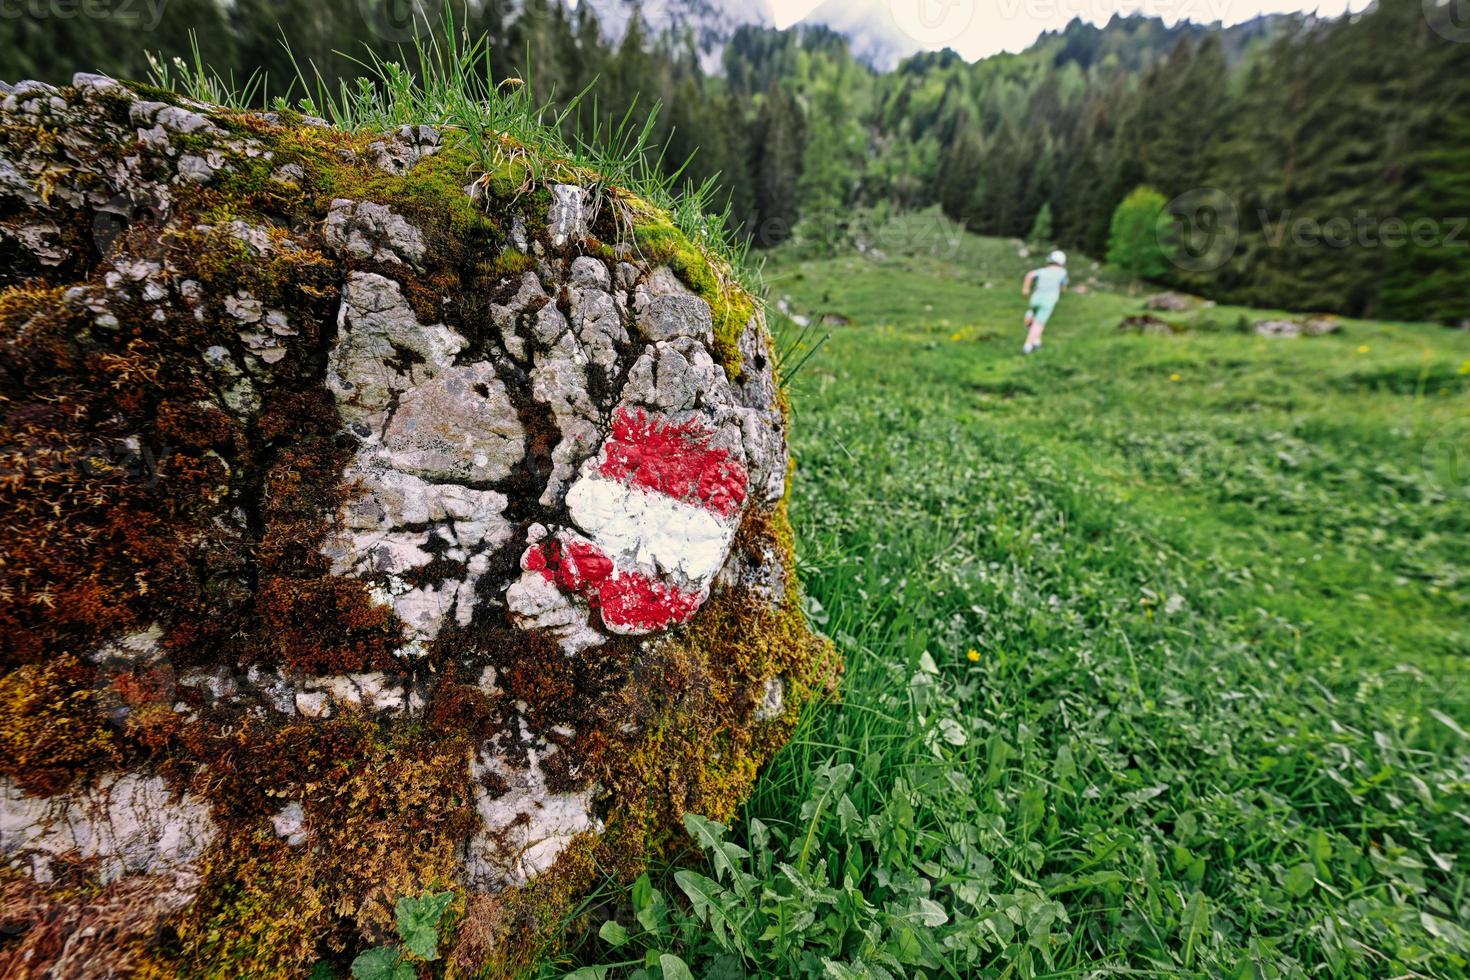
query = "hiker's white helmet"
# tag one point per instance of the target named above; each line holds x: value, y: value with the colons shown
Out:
x: 1057, y: 258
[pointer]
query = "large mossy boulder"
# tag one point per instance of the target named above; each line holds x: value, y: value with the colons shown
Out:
x: 379, y: 515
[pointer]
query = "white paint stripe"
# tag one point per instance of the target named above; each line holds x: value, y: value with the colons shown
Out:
x: 652, y: 532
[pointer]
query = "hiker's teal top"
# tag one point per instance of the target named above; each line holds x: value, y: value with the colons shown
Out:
x: 1046, y: 291
x: 1049, y: 282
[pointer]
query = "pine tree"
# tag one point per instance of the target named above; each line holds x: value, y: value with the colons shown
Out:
x: 1041, y: 230
x: 1083, y: 204
x: 1433, y: 282
x: 315, y: 33
x: 1039, y: 183
x: 1327, y: 125
x: 1331, y: 161
x: 780, y: 139
x: 960, y: 177
x: 51, y: 41
x: 835, y: 142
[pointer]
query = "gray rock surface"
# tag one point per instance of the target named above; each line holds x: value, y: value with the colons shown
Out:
x: 131, y: 824
x: 364, y: 230
x: 571, y: 216
x: 489, y: 477
x: 1172, y: 302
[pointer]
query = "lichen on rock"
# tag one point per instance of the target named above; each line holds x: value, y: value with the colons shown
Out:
x: 363, y: 533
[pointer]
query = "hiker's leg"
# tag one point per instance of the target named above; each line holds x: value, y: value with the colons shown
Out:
x: 1030, y: 331
x: 1038, y: 327
x: 1040, y: 315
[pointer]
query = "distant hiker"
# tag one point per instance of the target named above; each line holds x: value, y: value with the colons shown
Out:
x: 1044, y: 286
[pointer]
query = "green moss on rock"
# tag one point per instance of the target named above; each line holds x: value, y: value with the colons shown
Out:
x: 167, y: 497
x: 732, y: 306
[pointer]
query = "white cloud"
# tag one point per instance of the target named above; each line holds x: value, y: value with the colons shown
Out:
x: 977, y: 28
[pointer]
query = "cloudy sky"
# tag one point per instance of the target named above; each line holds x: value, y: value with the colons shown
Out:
x: 976, y: 28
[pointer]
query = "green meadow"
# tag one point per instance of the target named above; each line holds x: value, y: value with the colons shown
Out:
x: 1156, y: 648
x: 1157, y: 645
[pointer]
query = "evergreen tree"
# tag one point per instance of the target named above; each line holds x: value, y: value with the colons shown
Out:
x: 1431, y: 280
x: 1331, y: 160
x: 324, y: 37
x: 832, y: 155
x: 780, y: 134
x: 1041, y: 230
x: 1327, y: 126
x: 959, y: 179
x: 51, y: 41
x: 1181, y: 111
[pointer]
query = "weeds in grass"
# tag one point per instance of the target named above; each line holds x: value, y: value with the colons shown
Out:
x: 1218, y: 719
x: 195, y: 79
x: 418, y: 921
x: 1142, y: 676
x: 796, y: 344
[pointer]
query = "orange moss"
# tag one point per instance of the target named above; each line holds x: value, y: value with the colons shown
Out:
x: 53, y: 726
x: 327, y: 625
x: 262, y: 913
x: 33, y: 331
x: 94, y: 545
x: 461, y: 710
x: 155, y: 730
x: 40, y: 925
x: 299, y: 489
x: 385, y: 817
x: 198, y: 425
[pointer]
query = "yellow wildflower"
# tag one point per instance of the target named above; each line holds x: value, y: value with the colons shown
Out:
x: 1176, y: 377
x: 973, y: 656
x: 1363, y: 349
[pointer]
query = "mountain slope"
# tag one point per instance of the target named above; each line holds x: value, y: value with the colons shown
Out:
x: 710, y: 23
x: 873, y: 33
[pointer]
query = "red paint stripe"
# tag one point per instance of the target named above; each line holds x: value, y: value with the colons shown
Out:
x: 631, y: 601
x: 626, y: 600
x: 674, y: 459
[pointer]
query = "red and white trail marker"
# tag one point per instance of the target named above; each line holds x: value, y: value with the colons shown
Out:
x: 655, y: 514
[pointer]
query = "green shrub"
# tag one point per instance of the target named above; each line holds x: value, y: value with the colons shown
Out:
x: 1133, y: 238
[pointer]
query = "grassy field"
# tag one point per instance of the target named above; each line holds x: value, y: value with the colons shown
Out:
x: 1157, y: 649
